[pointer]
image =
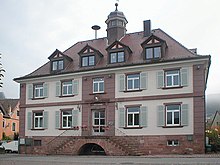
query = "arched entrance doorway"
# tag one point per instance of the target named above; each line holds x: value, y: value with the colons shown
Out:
x: 91, y: 149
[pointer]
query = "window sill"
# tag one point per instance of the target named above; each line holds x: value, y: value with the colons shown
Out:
x: 73, y: 128
x: 176, y: 87
x: 132, y: 127
x: 38, y: 129
x: 38, y: 98
x: 63, y: 96
x: 101, y: 93
x: 137, y: 90
x: 178, y: 126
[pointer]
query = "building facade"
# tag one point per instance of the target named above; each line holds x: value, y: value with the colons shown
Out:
x: 9, y: 118
x: 125, y: 94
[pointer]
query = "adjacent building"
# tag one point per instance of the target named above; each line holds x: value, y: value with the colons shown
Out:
x: 125, y: 94
x: 9, y: 118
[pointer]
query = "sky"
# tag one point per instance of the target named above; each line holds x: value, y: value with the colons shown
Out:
x: 31, y: 30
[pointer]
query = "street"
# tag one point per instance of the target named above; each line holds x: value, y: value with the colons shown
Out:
x: 16, y: 159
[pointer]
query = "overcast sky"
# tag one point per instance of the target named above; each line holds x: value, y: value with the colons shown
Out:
x: 30, y: 30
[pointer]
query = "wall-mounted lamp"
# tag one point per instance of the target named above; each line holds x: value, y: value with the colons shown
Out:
x: 85, y: 78
x: 109, y: 76
x: 79, y: 107
x: 198, y: 67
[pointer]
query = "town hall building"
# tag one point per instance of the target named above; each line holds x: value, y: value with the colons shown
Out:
x: 135, y: 93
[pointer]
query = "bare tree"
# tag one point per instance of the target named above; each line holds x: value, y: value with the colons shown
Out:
x: 1, y: 72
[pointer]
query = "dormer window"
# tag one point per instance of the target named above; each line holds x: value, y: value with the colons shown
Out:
x: 118, y: 52
x: 88, y: 60
x: 58, y: 61
x: 89, y: 56
x: 154, y: 48
x: 117, y: 57
x: 57, y: 65
x: 153, y: 53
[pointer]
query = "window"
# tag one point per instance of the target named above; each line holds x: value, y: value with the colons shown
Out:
x: 117, y: 57
x: 133, y: 82
x: 98, y: 85
x: 38, y: 120
x: 172, y: 78
x: 18, y: 113
x: 133, y: 116
x: 173, y: 115
x: 13, y: 126
x: 172, y: 143
x: 67, y: 88
x: 88, y: 60
x: 67, y: 119
x: 37, y: 142
x: 3, y: 123
x: 57, y: 65
x: 152, y: 53
x: 38, y: 90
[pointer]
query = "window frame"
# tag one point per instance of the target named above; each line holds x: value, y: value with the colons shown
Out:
x: 173, y: 111
x: 13, y: 127
x: 98, y: 81
x: 133, y: 117
x: 166, y: 75
x: 117, y: 56
x: 69, y: 93
x: 68, y: 117
x: 153, y: 52
x: 39, y: 90
x: 57, y: 63
x: 88, y: 60
x: 173, y: 143
x: 133, y: 82
x: 39, y: 121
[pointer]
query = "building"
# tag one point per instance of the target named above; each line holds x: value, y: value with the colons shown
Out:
x: 214, y: 121
x: 125, y: 94
x: 9, y: 117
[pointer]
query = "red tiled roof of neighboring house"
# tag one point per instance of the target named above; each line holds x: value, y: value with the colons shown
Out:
x: 6, y: 105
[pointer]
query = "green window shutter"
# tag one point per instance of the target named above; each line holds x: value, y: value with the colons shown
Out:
x: 184, y: 77
x: 29, y: 120
x: 75, y: 116
x: 184, y: 114
x: 46, y: 89
x: 30, y: 91
x: 121, y: 117
x: 143, y: 80
x: 75, y: 87
x: 122, y: 83
x: 45, y: 115
x: 58, y: 88
x: 143, y: 116
x: 57, y: 119
x: 160, y: 116
x: 160, y: 79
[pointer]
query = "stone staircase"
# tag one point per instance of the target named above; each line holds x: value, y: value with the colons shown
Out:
x: 117, y: 145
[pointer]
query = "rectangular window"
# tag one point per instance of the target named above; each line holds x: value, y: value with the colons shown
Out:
x: 88, y: 60
x: 173, y: 115
x: 172, y: 78
x: 133, y: 114
x: 37, y: 142
x: 13, y: 126
x: 153, y: 53
x: 67, y: 88
x: 57, y: 65
x: 3, y: 123
x: 133, y: 82
x: 98, y: 85
x: 38, y: 120
x: 67, y: 119
x: 38, y: 91
x: 172, y: 143
x: 117, y: 57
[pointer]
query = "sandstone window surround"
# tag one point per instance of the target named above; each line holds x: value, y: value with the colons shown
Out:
x: 37, y: 120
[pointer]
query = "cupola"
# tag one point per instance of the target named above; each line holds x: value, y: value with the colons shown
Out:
x: 116, y: 25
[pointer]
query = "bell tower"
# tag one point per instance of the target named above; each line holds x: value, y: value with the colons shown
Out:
x: 116, y: 25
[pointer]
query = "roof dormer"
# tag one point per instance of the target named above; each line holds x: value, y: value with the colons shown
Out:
x: 153, y: 48
x: 89, y: 56
x: 118, y: 52
x: 58, y: 61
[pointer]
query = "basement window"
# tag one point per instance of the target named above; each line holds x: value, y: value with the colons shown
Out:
x: 172, y: 142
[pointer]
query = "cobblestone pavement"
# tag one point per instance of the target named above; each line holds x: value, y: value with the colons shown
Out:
x: 16, y: 159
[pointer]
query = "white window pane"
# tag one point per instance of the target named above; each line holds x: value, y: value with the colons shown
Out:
x: 55, y: 65
x: 136, y: 119
x: 130, y: 119
x: 84, y: 61
x: 169, y: 81
x: 169, y: 117
x: 176, y: 118
x: 136, y: 83
x: 176, y: 80
x: 121, y: 57
x: 91, y: 60
x: 149, y: 53
x: 95, y: 87
x: 113, y: 58
x: 157, y: 52
x: 60, y: 65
